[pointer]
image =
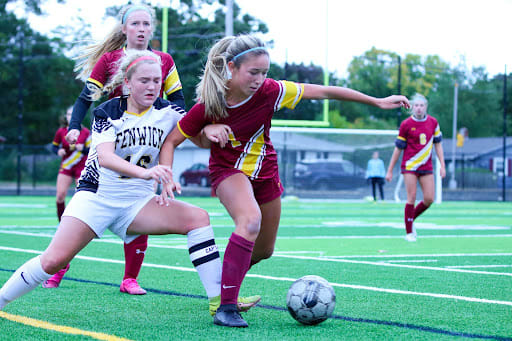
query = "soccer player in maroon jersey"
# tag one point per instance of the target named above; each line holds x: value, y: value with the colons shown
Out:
x: 416, y: 137
x: 235, y: 94
x: 73, y: 162
x: 97, y: 65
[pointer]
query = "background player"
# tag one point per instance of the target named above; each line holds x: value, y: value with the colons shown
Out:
x: 73, y: 162
x: 235, y: 92
x: 97, y: 65
x: 375, y: 173
x: 416, y: 137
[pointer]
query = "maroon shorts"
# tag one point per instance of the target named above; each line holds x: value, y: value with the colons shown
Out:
x: 264, y: 190
x: 417, y: 173
x: 73, y: 172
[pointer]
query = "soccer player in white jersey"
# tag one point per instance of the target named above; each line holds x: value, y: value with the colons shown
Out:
x: 117, y: 184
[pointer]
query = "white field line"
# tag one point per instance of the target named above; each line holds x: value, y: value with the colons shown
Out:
x: 325, y: 259
x: 288, y: 279
x: 478, y: 266
x: 395, y: 265
x: 293, y: 238
x: 413, y: 261
x: 428, y: 255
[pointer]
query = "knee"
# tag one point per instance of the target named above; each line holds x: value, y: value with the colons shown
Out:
x: 52, y: 263
x: 428, y: 201
x: 250, y: 223
x: 199, y: 218
x: 61, y: 196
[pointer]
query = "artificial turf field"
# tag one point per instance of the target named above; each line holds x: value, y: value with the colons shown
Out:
x: 454, y: 283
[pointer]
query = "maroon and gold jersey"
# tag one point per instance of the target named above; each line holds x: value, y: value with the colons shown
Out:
x: 249, y: 149
x: 72, y: 158
x: 417, y: 138
x: 106, y: 67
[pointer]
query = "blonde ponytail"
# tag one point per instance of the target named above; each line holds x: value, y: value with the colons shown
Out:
x: 212, y: 87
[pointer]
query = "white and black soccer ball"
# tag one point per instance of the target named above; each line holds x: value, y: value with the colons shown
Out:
x: 311, y: 300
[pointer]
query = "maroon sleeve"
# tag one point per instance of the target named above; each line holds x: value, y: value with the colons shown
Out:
x: 58, y: 137
x: 99, y: 74
x: 192, y: 123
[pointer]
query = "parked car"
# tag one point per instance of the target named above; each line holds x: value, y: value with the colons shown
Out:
x: 197, y: 174
x: 325, y: 175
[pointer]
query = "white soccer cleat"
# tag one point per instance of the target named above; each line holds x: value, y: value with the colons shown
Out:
x: 410, y: 237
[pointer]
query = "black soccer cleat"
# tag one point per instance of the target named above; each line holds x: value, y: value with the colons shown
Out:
x: 227, y: 315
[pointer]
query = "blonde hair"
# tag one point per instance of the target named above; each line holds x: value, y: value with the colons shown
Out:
x: 125, y: 69
x: 212, y: 87
x: 116, y: 39
x: 419, y: 98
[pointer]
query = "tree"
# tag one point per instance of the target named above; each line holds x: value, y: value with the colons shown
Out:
x: 47, y: 80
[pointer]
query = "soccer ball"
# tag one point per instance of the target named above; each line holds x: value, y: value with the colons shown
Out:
x: 311, y: 300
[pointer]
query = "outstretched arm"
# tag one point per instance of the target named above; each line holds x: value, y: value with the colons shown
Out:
x: 314, y: 91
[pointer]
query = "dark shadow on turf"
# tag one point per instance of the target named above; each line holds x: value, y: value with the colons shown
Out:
x: 335, y: 317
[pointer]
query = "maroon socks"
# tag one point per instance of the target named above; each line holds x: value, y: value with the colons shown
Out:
x: 134, y: 256
x: 237, y: 260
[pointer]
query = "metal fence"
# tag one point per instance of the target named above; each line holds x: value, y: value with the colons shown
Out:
x: 32, y: 170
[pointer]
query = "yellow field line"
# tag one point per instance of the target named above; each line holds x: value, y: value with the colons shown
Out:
x: 61, y: 329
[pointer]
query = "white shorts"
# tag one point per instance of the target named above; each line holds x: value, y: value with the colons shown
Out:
x: 102, y: 213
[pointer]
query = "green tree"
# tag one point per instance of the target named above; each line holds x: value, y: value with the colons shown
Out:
x: 45, y: 74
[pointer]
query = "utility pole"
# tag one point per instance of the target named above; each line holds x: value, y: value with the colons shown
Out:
x: 453, y: 182
x: 229, y: 18
x: 21, y: 37
x: 399, y: 113
x: 504, y: 195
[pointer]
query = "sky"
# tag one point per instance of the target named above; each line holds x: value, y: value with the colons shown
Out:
x: 332, y: 32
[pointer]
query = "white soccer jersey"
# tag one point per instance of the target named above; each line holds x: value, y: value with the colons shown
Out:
x: 138, y: 139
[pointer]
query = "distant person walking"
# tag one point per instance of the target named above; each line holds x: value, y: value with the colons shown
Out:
x: 375, y: 173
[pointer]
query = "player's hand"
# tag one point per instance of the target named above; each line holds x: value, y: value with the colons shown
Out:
x: 61, y: 152
x: 79, y: 147
x: 218, y: 133
x: 392, y: 102
x: 72, y: 136
x: 160, y: 173
x: 167, y: 193
x: 389, y: 176
x: 442, y: 172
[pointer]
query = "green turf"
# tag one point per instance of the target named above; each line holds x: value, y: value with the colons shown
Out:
x: 455, y: 282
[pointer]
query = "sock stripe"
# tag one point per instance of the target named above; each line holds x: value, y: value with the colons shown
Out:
x: 206, y: 259
x: 200, y: 246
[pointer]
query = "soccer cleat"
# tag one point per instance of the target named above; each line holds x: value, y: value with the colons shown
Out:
x: 410, y: 237
x: 54, y: 281
x: 227, y: 315
x: 130, y: 286
x: 243, y: 304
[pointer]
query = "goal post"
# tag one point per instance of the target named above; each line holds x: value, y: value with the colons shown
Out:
x: 320, y: 162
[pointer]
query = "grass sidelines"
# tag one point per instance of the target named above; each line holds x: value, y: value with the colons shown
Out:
x: 454, y: 283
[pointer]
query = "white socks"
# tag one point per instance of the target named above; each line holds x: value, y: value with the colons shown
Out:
x: 204, y: 254
x: 26, y: 278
